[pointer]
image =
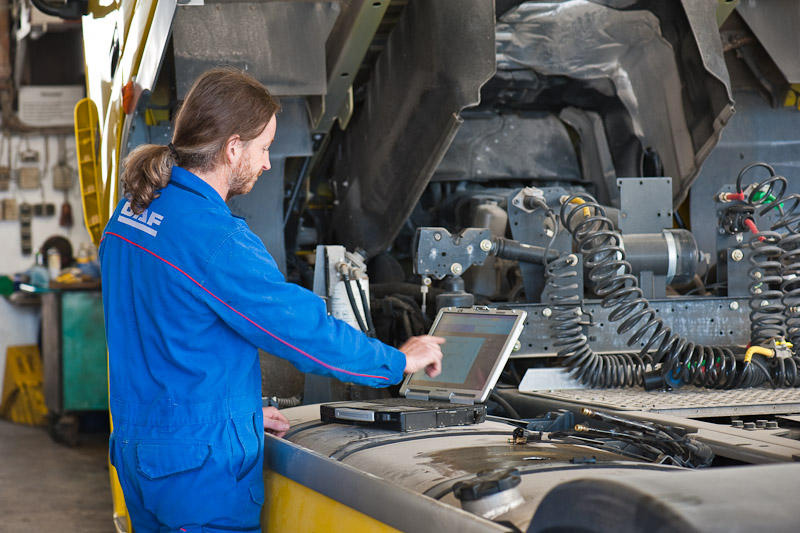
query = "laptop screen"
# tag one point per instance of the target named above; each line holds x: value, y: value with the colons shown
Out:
x: 474, y: 343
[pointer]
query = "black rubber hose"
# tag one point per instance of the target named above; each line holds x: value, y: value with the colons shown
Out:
x: 505, y: 405
x: 349, y: 290
x: 525, y: 253
x: 365, y: 306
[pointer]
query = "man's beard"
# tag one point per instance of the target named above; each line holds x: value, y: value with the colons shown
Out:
x: 240, y: 180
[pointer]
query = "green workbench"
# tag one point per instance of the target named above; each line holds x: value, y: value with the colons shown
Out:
x: 74, y: 357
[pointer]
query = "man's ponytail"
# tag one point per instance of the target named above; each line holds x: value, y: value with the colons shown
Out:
x: 222, y: 102
x: 146, y: 171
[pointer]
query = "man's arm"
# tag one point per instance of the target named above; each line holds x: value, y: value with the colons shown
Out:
x: 249, y: 293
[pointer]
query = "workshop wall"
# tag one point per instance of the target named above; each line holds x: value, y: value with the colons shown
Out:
x: 20, y: 325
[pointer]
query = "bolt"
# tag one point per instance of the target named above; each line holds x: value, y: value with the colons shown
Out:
x: 456, y: 269
x: 517, y: 346
x: 437, y: 236
x: 426, y: 281
x: 486, y: 245
x: 547, y: 312
x: 572, y: 260
x: 739, y: 237
x: 756, y: 291
x: 757, y: 274
x: 734, y: 306
x: 764, y: 303
x: 469, y: 249
x: 737, y: 255
x: 721, y: 231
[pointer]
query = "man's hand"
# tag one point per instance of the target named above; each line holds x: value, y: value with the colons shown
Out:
x: 274, y: 422
x: 423, y: 352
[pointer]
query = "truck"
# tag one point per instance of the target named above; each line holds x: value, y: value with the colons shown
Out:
x: 621, y: 170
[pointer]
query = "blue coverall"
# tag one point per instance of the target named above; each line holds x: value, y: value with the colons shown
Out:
x: 189, y: 293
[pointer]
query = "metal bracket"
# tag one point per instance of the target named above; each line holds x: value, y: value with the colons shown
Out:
x: 439, y: 253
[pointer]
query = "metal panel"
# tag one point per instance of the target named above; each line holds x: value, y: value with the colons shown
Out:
x: 293, y: 137
x: 83, y: 351
x: 775, y: 24
x: 710, y: 321
x: 756, y: 133
x: 395, y: 506
x: 645, y: 204
x: 282, y: 44
x: 531, y: 228
x: 262, y: 208
x: 345, y: 51
x: 688, y: 401
x: 436, y: 59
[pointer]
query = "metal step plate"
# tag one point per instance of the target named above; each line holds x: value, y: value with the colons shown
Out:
x: 688, y: 401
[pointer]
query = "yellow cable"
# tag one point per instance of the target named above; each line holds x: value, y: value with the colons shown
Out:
x: 579, y: 201
x: 766, y: 352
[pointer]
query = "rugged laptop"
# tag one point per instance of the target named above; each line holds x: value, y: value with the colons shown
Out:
x: 479, y: 341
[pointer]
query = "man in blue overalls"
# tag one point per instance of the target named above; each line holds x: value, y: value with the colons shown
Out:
x: 189, y: 294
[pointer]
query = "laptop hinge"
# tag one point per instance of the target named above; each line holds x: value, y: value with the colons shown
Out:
x: 441, y: 395
x: 417, y: 395
x: 465, y: 399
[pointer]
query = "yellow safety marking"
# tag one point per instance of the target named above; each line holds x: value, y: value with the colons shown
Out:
x: 793, y: 96
x: 294, y: 508
x: 86, y: 133
x: 22, y: 400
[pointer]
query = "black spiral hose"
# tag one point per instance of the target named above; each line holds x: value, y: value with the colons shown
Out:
x: 779, y: 251
x: 681, y: 361
x: 767, y: 319
x: 590, y: 368
x: 790, y: 261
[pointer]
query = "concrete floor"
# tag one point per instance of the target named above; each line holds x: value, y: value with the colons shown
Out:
x: 45, y: 486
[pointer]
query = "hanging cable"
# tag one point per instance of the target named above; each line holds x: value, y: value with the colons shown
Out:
x: 365, y: 306
x: 349, y: 290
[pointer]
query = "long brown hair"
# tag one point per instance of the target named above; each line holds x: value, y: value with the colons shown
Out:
x: 221, y: 103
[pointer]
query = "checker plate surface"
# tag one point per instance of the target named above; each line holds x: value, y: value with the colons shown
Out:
x: 687, y: 401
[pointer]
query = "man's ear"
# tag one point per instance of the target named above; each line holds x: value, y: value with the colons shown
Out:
x: 233, y: 149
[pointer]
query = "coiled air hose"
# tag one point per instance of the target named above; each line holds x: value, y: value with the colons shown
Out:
x: 681, y: 361
x: 775, y: 302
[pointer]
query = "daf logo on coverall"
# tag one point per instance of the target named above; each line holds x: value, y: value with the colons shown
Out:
x: 145, y: 221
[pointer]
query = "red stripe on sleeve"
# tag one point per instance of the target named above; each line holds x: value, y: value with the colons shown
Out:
x: 223, y: 302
